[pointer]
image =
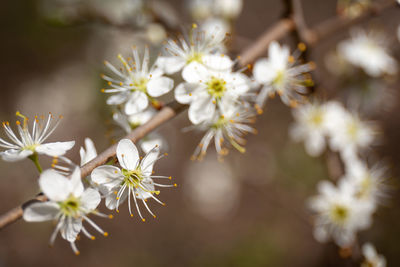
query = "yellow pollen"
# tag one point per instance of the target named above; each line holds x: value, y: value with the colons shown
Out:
x: 18, y: 122
x: 175, y: 185
x: 93, y: 237
x: 110, y: 216
x: 194, y: 25
x: 131, y: 215
x: 102, y: 90
x: 165, y: 154
x: 302, y: 47
x: 143, y: 219
x: 154, y: 216
x: 105, y: 234
x: 77, y: 253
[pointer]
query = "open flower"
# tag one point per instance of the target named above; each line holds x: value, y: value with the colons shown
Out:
x: 231, y: 125
x: 280, y: 73
x: 310, y: 127
x: 348, y: 133
x: 136, y: 83
x: 29, y: 144
x: 369, y: 51
x: 371, y: 257
x: 195, y: 48
x: 133, y: 180
x: 207, y: 89
x: 69, y: 204
x: 339, y: 214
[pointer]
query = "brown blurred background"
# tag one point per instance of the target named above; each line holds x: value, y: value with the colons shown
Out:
x: 247, y: 211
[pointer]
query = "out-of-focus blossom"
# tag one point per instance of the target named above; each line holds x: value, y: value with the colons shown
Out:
x: 203, y: 9
x: 88, y: 153
x: 369, y: 183
x: 155, y: 33
x: 215, y: 28
x: 369, y: 51
x: 121, y: 11
x: 29, y: 144
x: 196, y: 47
x: 231, y: 125
x: 136, y: 84
x: 371, y: 257
x: 212, y: 189
x: 207, y: 89
x: 339, y: 214
x: 280, y: 73
x: 310, y: 127
x: 347, y: 132
x: 134, y: 179
x: 352, y: 8
x: 69, y: 204
x: 129, y: 123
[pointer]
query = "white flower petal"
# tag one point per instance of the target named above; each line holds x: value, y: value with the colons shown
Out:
x: 71, y: 228
x: 195, y: 73
x: 127, y: 154
x: 263, y: 71
x: 218, y: 62
x: 55, y: 186
x: 201, y: 109
x: 107, y: 176
x: 76, y: 182
x: 90, y: 199
x: 159, y: 86
x: 151, y: 140
x: 55, y: 149
x: 149, y: 160
x: 111, y: 200
x: 137, y: 102
x: 184, y: 92
x: 13, y: 155
x: 171, y: 65
x: 117, y: 99
x: 39, y: 212
x: 90, y: 152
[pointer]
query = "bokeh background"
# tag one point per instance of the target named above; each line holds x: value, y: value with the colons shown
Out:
x: 246, y: 211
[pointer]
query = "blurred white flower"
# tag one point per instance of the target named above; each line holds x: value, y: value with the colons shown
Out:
x: 231, y: 125
x: 129, y: 123
x: 212, y: 188
x: 120, y: 11
x: 310, y: 127
x: 206, y: 89
x: 369, y: 183
x: 200, y: 9
x: 218, y: 29
x: 89, y: 153
x: 339, y: 214
x: 136, y: 84
x: 369, y: 51
x: 193, y: 48
x: 69, y: 203
x: 347, y: 132
x: 229, y: 9
x: 133, y: 179
x: 280, y: 73
x: 30, y: 144
x: 371, y: 257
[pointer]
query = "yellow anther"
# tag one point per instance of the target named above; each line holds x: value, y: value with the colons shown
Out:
x: 109, y: 83
x: 302, y: 47
x: 117, y: 211
x: 77, y: 253
x: 175, y: 185
x: 154, y: 216
x: 170, y: 177
x: 194, y: 26
x: 102, y: 90
x: 93, y: 237
x: 165, y: 154
x: 291, y: 59
x: 117, y: 198
x: 131, y: 215
x: 110, y: 216
x: 18, y: 122
x: 105, y: 234
x: 143, y: 219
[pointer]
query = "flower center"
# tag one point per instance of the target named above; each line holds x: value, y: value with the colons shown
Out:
x: 316, y: 118
x: 340, y: 213
x: 216, y: 87
x: 280, y: 78
x: 134, y: 179
x: 140, y: 84
x: 194, y: 57
x: 352, y: 129
x: 70, y: 207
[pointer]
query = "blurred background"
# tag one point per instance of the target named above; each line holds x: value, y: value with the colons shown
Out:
x: 246, y: 211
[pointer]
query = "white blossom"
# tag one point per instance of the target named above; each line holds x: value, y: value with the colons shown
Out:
x: 134, y: 178
x: 135, y: 84
x: 207, y: 89
x: 339, y: 214
x: 203, y: 9
x: 229, y: 125
x: 371, y: 257
x: 310, y: 127
x: 28, y: 144
x: 193, y: 48
x: 69, y: 204
x: 369, y: 51
x: 89, y: 153
x: 280, y: 73
x: 369, y: 183
x: 228, y: 9
x: 347, y: 132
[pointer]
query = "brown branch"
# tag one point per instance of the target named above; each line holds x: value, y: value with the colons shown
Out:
x: 168, y: 112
